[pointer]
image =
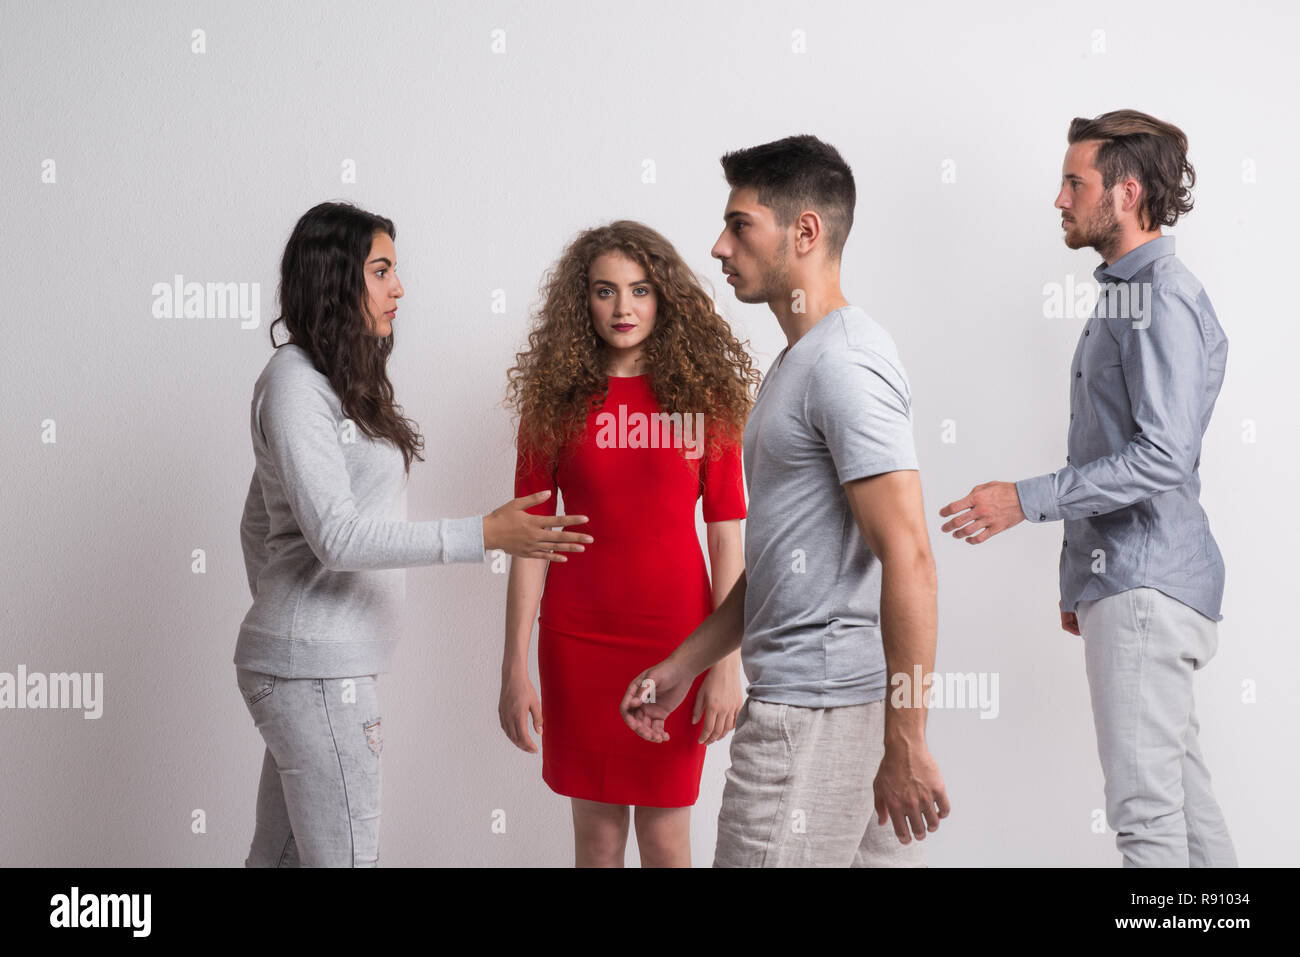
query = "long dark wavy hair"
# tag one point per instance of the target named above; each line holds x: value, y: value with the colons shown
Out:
x: 694, y: 361
x: 323, y: 305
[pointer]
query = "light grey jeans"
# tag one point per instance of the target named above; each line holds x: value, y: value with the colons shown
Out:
x: 799, y: 790
x: 318, y: 800
x: 1141, y: 648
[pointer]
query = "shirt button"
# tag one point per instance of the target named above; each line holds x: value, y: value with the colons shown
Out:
x: 1094, y: 513
x: 1064, y: 543
x: 1042, y: 517
x: 1067, y: 458
x: 1085, y: 332
x: 1072, y: 415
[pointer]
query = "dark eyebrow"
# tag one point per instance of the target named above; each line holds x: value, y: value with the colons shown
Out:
x: 606, y: 282
x: 734, y: 213
x: 381, y: 259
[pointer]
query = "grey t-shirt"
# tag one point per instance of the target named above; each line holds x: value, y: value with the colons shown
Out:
x: 835, y: 407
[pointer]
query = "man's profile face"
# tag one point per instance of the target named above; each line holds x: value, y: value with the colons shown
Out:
x: 1088, y: 214
x: 752, y: 248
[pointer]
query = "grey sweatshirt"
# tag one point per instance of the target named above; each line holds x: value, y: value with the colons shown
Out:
x: 324, y: 533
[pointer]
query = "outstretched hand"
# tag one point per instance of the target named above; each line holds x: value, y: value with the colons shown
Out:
x: 989, y: 509
x: 512, y: 528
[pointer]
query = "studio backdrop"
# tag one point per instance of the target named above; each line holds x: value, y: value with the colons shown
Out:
x: 157, y: 147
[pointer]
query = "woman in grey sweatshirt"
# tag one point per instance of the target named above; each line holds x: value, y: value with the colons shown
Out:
x: 324, y: 537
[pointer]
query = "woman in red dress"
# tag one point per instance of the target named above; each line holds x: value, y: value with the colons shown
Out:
x: 632, y: 398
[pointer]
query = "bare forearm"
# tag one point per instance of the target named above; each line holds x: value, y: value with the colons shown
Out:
x: 731, y: 663
x: 726, y: 558
x: 717, y: 636
x: 523, y: 595
x: 726, y: 562
x: 909, y: 625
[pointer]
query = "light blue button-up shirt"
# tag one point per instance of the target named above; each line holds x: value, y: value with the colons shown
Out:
x: 1143, y: 382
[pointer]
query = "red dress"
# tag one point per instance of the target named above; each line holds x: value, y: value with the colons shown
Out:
x: 625, y: 603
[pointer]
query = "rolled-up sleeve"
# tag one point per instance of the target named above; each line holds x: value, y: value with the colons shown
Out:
x: 1165, y: 365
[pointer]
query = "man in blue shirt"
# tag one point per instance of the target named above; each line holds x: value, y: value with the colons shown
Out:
x: 1141, y: 575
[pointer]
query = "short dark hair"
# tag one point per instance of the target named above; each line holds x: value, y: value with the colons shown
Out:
x: 1151, y: 151
x: 794, y: 174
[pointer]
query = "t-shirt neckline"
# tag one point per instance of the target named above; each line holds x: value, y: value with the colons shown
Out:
x: 780, y: 359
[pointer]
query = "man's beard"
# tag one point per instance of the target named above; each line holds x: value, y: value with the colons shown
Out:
x: 773, y: 276
x: 1102, y: 231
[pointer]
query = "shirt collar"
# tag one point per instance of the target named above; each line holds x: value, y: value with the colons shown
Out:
x: 1127, y: 265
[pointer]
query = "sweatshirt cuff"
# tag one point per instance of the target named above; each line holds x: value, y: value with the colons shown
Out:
x: 463, y: 541
x: 1038, y: 498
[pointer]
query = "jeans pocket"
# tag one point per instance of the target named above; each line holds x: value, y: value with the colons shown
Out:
x: 254, y: 685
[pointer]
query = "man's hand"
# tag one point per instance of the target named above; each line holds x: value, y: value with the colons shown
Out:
x: 1070, y: 622
x: 989, y: 508
x: 652, y: 697
x: 718, y: 700
x: 909, y: 788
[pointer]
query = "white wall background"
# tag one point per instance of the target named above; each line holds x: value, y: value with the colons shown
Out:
x: 169, y: 161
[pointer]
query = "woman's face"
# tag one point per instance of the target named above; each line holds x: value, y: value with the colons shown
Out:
x: 383, y: 288
x: 623, y: 303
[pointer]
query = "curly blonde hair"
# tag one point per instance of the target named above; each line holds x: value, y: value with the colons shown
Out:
x: 694, y: 361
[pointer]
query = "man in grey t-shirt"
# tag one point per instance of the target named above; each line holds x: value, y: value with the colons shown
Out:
x: 839, y: 583
x: 833, y: 408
